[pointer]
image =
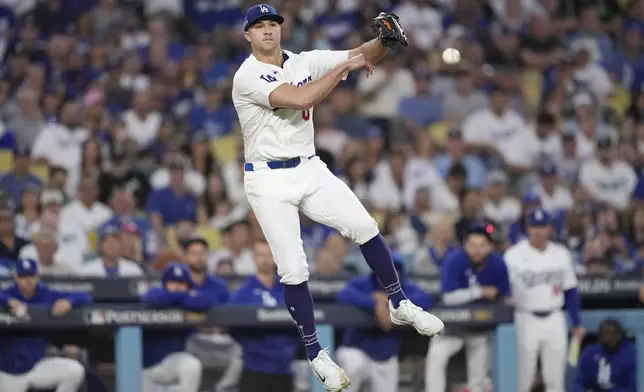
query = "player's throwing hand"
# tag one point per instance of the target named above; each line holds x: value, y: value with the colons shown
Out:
x: 358, y: 62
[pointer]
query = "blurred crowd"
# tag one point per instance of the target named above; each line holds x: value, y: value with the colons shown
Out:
x: 118, y: 139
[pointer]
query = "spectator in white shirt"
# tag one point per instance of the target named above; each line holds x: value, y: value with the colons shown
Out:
x: 423, y: 24
x: 44, y: 251
x: 383, y: 91
x: 554, y: 196
x: 547, y: 141
x: 193, y: 180
x: 141, y: 123
x: 236, y: 248
x: 71, y: 243
x: 569, y: 163
x: 85, y: 213
x: 589, y: 73
x: 60, y: 144
x: 496, y: 130
x: 606, y: 179
x: 386, y: 189
x: 110, y: 264
x: 499, y: 207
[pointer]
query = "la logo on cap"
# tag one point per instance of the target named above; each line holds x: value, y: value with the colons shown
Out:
x: 177, y: 271
x: 538, y: 214
x: 25, y: 264
x: 263, y: 8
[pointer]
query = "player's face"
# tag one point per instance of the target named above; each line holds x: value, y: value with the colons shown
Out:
x: 197, y: 257
x: 264, y: 36
x: 539, y: 234
x: 27, y: 284
x: 176, y: 287
x: 610, y: 336
x: 263, y: 257
x: 477, y: 247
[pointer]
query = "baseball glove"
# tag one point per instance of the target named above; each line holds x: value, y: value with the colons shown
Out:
x: 386, y: 27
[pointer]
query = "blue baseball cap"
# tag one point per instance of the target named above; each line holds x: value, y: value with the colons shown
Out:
x: 548, y: 169
x: 177, y: 272
x: 531, y: 198
x: 26, y: 267
x: 539, y: 217
x: 261, y: 12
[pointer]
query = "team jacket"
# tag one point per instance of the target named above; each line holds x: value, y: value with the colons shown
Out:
x: 157, y: 344
x: 377, y: 344
x: 602, y: 371
x: 461, y: 280
x: 265, y: 351
x: 20, y: 350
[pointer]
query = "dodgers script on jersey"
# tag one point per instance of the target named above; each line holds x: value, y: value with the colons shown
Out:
x: 270, y: 133
x: 539, y: 279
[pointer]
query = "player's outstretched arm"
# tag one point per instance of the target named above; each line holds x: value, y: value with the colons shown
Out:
x: 310, y: 94
x: 373, y: 50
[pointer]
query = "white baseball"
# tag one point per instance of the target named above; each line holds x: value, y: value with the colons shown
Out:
x: 451, y: 56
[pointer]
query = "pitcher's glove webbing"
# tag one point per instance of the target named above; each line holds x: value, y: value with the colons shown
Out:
x: 387, y: 28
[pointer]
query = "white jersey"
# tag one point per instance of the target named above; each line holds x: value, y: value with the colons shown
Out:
x: 272, y: 134
x: 539, y: 279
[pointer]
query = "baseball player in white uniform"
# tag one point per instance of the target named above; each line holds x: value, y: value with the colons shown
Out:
x: 274, y: 92
x: 543, y: 282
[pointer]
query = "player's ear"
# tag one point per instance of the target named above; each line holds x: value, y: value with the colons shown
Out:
x: 247, y: 36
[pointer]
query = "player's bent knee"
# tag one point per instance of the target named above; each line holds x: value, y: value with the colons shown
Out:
x: 75, y: 372
x: 293, y: 275
x: 364, y: 230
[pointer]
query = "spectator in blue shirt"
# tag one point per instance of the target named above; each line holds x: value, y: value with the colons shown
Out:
x: 23, y: 354
x: 628, y: 63
x: 476, y: 173
x: 16, y: 181
x: 267, y: 355
x: 167, y: 206
x: 213, y: 119
x: 609, y: 365
x: 164, y: 358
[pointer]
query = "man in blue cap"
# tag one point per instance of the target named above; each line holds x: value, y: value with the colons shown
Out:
x: 274, y: 92
x: 23, y: 355
x: 473, y: 274
x: 165, y: 360
x: 543, y: 281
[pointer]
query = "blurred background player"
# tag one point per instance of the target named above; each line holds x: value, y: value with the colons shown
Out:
x: 165, y: 360
x: 543, y: 281
x: 195, y: 254
x: 370, y: 356
x: 267, y: 355
x: 608, y: 365
x: 476, y: 273
x: 23, y: 361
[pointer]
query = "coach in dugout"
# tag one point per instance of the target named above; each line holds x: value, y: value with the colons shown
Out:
x: 195, y: 251
x: 23, y: 360
x: 609, y: 365
x: 267, y: 356
x: 370, y: 356
x: 473, y: 274
x: 165, y: 360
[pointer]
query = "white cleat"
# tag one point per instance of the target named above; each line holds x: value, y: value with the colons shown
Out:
x: 409, y: 314
x: 332, y: 377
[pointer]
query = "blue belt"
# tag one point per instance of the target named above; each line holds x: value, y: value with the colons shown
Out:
x: 542, y: 314
x: 286, y: 164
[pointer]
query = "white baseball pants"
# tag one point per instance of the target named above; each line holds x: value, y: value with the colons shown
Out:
x: 178, y: 372
x: 546, y: 337
x: 477, y: 358
x: 361, y: 369
x: 276, y: 197
x: 64, y: 374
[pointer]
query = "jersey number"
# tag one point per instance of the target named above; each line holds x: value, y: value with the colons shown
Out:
x: 306, y: 114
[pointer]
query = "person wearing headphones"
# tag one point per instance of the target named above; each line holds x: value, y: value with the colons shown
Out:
x: 165, y: 359
x: 608, y: 365
x: 23, y: 354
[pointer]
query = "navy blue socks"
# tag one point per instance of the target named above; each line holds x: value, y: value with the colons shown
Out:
x: 300, y: 304
x: 378, y: 256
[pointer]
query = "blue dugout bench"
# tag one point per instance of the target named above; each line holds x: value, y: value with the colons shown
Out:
x: 128, y: 321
